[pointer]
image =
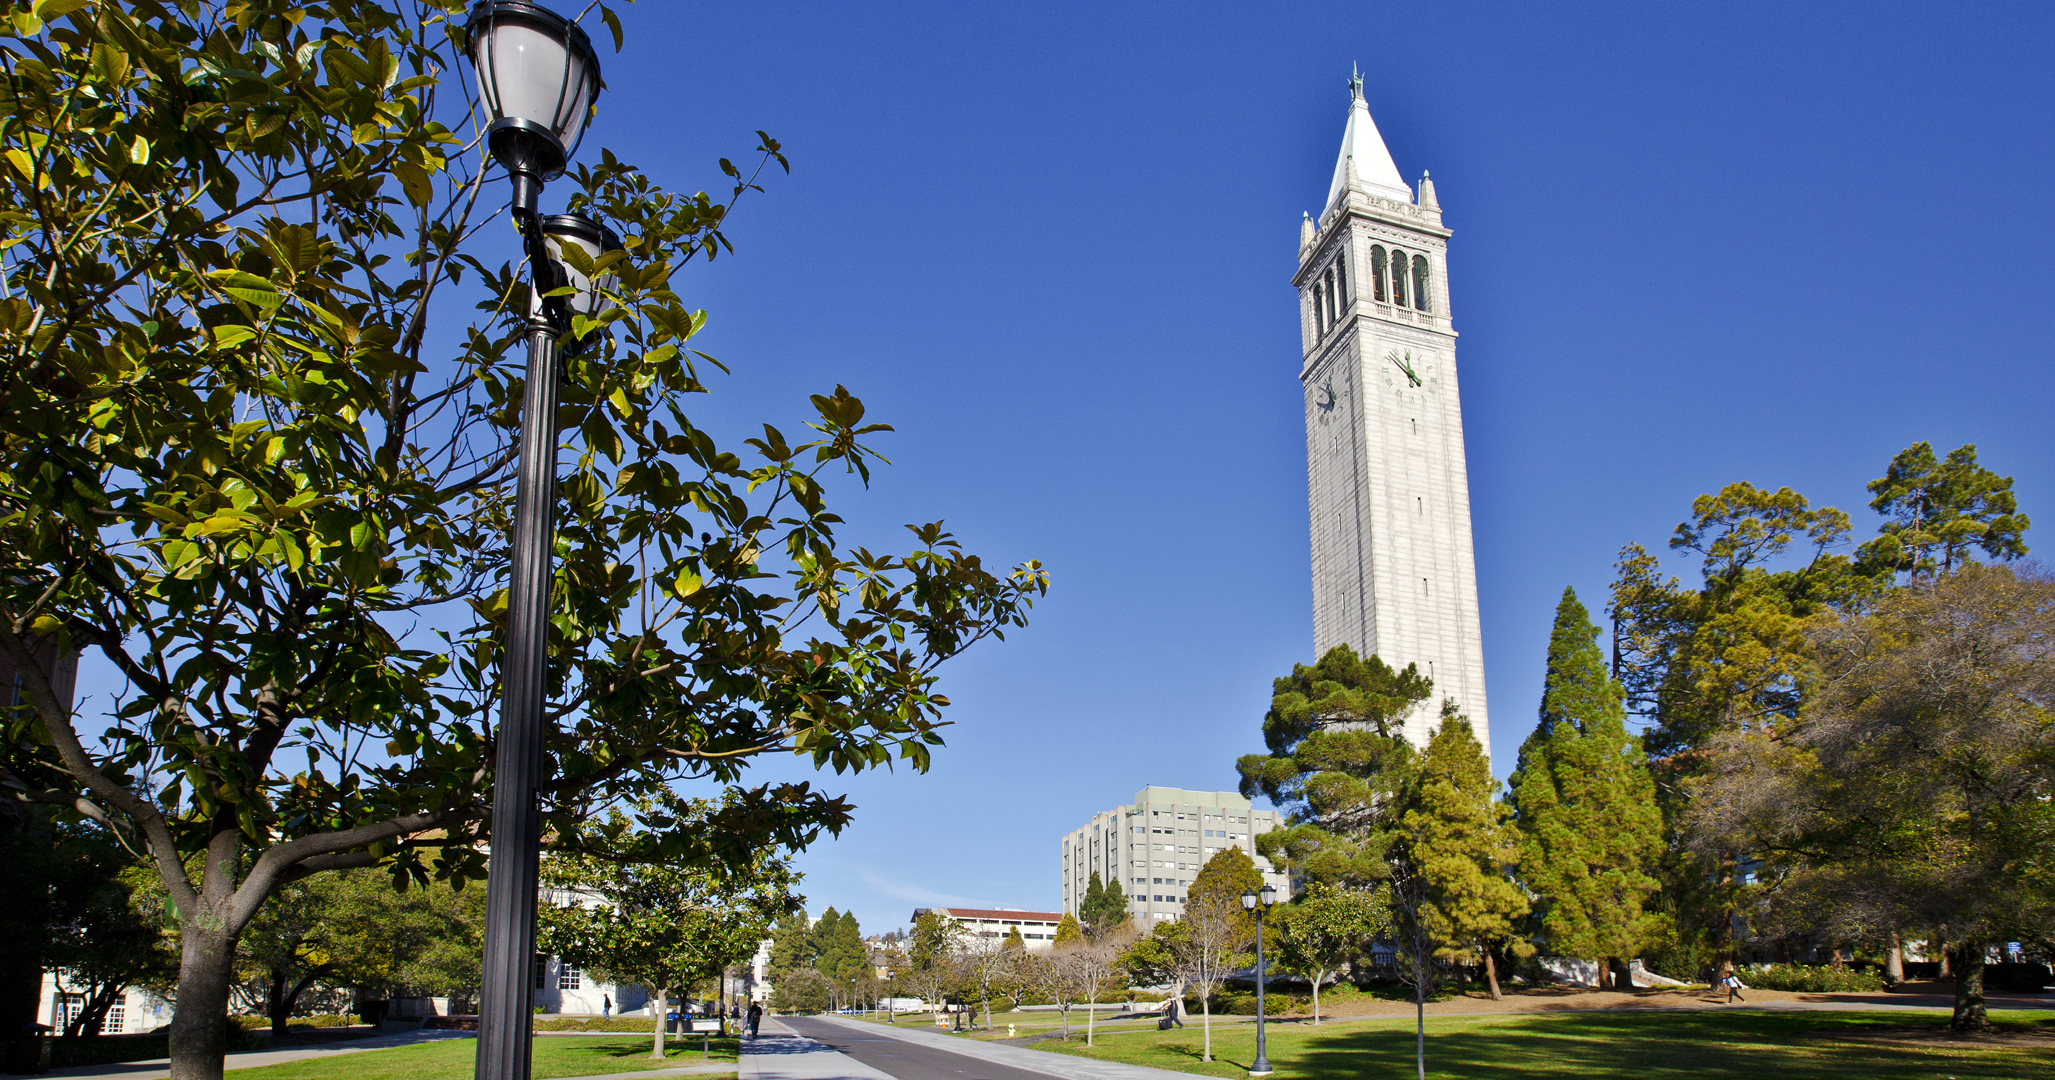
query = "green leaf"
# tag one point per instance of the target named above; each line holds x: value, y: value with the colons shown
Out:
x: 232, y: 335
x: 139, y: 151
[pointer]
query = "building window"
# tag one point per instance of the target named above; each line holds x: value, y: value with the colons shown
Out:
x: 1398, y: 277
x: 1420, y: 282
x: 568, y: 977
x: 68, y: 1008
x: 1377, y: 272
x: 115, y: 1015
x: 1341, y: 276
x: 541, y: 972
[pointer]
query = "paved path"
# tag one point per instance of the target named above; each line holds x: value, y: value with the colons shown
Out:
x: 912, y: 1054
x: 159, y: 1068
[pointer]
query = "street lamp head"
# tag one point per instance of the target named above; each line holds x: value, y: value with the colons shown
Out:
x: 538, y: 77
x: 589, y: 295
x: 1248, y: 901
x: 1269, y: 894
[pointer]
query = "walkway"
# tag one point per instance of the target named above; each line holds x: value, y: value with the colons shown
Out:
x: 843, y: 1049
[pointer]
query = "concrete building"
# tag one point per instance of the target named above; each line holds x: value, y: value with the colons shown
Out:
x: 1387, y: 485
x: 1155, y: 845
x: 1037, y: 928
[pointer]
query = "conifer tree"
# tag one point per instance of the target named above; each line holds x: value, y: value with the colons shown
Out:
x: 791, y: 946
x: 1105, y: 907
x: 1462, y: 845
x: 1585, y: 805
x: 1069, y: 931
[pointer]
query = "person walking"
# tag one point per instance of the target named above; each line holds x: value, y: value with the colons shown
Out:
x: 1734, y: 988
x: 755, y: 1017
x: 1174, y: 1010
x: 606, y: 1006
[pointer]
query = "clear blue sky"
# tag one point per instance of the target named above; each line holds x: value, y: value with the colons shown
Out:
x: 1052, y: 244
x: 1693, y: 244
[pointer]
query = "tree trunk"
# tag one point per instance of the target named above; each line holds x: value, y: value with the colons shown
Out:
x: 656, y: 1052
x: 1091, y: 1014
x: 1622, y: 974
x: 1206, y: 1024
x: 199, y: 1024
x: 1969, y: 989
x: 279, y: 1010
x: 1894, y: 960
x: 1946, y: 969
x: 1318, y: 977
x: 1491, y: 974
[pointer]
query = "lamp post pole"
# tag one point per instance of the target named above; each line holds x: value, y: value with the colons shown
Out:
x: 537, y: 76
x: 1259, y: 903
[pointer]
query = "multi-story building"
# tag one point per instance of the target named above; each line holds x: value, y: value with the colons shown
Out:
x: 1037, y: 928
x: 1155, y: 845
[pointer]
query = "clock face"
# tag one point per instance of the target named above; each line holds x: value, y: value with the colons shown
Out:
x: 1327, y: 396
x: 1405, y: 364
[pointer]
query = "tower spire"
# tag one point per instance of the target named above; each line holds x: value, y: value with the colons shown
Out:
x: 1360, y: 142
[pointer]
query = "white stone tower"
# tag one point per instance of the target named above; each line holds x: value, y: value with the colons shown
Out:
x: 1393, y: 573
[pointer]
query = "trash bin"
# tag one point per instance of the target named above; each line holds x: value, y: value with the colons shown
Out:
x: 28, y: 1050
x: 670, y: 1023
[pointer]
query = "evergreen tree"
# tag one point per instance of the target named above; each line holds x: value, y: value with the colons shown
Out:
x: 1585, y: 803
x: 1069, y: 931
x: 1014, y: 942
x: 1338, y: 764
x: 1105, y: 907
x: 1939, y: 510
x: 791, y: 946
x: 1462, y: 845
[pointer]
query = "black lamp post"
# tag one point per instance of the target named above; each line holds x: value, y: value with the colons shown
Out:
x: 538, y: 76
x: 1259, y: 904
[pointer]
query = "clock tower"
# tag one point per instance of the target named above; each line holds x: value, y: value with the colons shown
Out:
x: 1393, y: 573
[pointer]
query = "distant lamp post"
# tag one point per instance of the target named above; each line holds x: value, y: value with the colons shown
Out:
x: 1259, y: 903
x: 538, y: 77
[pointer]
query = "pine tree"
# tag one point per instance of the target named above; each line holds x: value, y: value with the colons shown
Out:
x: 1069, y: 931
x: 1585, y: 804
x: 1462, y: 846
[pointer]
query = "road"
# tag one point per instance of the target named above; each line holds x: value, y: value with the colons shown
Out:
x: 903, y: 1059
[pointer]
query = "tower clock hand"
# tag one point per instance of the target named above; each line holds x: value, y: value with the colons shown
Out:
x: 1404, y: 364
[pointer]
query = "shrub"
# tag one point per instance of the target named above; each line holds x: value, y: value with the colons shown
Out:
x: 1814, y: 979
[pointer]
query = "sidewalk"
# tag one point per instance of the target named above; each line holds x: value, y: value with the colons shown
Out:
x: 159, y: 1068
x: 1062, y: 1066
x: 779, y: 1053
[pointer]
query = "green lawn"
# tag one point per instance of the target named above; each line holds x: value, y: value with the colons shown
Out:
x: 1590, y: 1045
x: 451, y: 1059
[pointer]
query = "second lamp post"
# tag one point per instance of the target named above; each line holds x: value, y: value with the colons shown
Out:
x: 1259, y: 903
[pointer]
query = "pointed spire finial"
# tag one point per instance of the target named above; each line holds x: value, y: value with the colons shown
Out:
x: 1355, y: 82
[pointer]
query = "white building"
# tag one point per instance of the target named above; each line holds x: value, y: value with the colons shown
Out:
x: 1154, y: 846
x: 1388, y: 487
x: 137, y: 1010
x: 1037, y: 928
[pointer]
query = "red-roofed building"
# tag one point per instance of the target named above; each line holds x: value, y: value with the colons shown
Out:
x: 1037, y: 928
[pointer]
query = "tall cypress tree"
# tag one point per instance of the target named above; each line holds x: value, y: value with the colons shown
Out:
x: 1104, y: 908
x: 1585, y: 803
x: 1462, y: 845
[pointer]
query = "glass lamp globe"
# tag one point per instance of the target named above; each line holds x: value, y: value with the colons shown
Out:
x: 588, y: 295
x: 538, y: 77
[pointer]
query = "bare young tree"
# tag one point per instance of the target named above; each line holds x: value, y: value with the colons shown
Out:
x: 1099, y: 966
x: 1204, y: 947
x: 982, y: 965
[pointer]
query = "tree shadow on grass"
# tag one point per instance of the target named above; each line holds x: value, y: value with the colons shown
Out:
x: 1645, y: 1047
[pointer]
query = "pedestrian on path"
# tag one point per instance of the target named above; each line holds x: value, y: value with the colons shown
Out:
x: 606, y: 1006
x: 1734, y: 988
x: 1174, y: 1003
x: 755, y: 1017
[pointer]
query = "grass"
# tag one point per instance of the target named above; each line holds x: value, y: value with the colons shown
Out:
x: 1591, y: 1046
x: 452, y: 1059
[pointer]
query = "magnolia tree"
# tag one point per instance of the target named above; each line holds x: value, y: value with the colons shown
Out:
x: 1322, y: 932
x: 256, y: 458
x: 623, y: 914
